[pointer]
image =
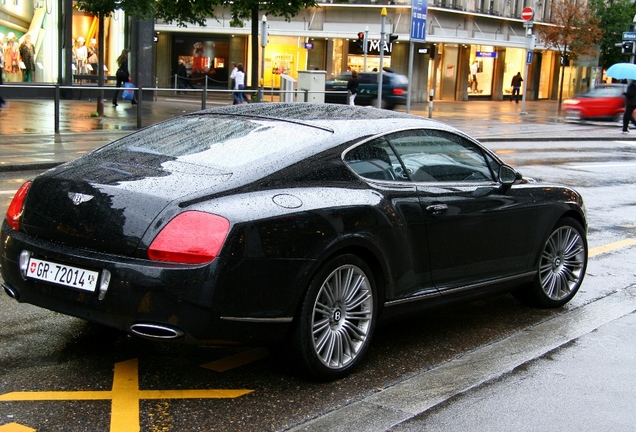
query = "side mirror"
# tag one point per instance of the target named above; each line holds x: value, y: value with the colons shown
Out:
x: 508, y: 175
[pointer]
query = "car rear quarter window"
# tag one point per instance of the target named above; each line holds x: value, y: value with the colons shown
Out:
x: 374, y: 160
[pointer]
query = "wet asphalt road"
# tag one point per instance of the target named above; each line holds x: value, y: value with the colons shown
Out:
x: 41, y: 351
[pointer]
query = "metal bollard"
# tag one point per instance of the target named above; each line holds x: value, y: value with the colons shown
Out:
x: 139, y: 102
x: 57, y: 108
x: 431, y: 94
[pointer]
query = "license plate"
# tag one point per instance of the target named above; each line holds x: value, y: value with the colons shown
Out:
x: 61, y: 274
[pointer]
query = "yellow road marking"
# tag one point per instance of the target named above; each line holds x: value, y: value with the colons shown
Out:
x: 125, y: 396
x: 610, y: 247
x: 15, y: 427
x: 237, y: 360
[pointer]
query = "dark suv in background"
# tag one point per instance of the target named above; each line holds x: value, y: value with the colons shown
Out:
x: 394, y: 89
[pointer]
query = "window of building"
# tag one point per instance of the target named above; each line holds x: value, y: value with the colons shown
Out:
x: 481, y: 71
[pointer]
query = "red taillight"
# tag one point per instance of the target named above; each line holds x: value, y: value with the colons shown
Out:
x: 14, y: 214
x: 192, y: 237
x: 398, y: 91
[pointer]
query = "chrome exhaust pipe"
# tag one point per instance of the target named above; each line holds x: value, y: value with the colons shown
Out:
x: 156, y: 331
x: 10, y: 292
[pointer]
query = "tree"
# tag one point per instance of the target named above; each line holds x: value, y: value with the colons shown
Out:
x: 103, y: 9
x: 240, y: 10
x: 575, y: 33
x: 615, y: 17
x: 190, y: 12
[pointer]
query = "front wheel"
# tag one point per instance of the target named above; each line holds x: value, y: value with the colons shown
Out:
x: 561, y: 267
x: 337, y: 318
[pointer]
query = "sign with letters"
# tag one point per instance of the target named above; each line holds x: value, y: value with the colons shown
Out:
x: 418, y: 20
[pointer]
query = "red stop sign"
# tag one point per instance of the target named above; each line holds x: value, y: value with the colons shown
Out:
x: 527, y: 13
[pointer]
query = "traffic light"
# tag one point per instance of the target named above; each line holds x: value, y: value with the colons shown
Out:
x: 628, y: 47
x: 392, y: 37
x: 360, y: 41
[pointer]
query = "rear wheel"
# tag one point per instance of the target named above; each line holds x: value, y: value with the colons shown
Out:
x: 337, y: 318
x: 561, y: 267
x: 618, y: 117
x: 383, y: 103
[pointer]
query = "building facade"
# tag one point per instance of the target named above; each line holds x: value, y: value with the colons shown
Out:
x: 473, y: 48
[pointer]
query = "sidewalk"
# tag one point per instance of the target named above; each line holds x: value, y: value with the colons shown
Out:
x: 29, y: 140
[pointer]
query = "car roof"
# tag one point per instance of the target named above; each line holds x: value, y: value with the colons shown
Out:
x: 603, y: 90
x: 332, y: 117
x: 347, y: 74
x: 282, y: 140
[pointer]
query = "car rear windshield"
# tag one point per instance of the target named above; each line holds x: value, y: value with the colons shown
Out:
x: 220, y: 141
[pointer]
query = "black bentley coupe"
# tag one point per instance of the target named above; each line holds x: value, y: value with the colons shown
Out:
x: 287, y: 223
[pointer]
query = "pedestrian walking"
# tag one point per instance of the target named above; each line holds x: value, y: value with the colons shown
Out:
x: 474, y: 70
x: 233, y: 76
x: 183, y: 80
x: 239, y: 84
x: 2, y: 102
x: 630, y: 106
x: 352, y: 87
x: 123, y: 75
x: 516, y: 87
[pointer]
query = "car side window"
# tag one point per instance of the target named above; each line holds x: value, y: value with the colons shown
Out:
x: 373, y: 160
x: 440, y: 156
x: 367, y: 78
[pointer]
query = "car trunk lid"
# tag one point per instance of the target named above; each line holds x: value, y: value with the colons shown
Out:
x: 108, y: 206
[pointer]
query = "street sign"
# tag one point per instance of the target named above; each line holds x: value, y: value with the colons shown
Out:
x: 486, y: 54
x: 527, y: 13
x: 418, y: 20
x: 529, y: 57
x: 629, y: 36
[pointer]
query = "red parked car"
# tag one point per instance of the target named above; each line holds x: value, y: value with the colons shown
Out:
x: 603, y: 102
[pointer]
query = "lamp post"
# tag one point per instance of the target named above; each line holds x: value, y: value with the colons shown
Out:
x: 530, y: 42
x: 263, y: 45
x: 365, y: 49
x: 383, y: 13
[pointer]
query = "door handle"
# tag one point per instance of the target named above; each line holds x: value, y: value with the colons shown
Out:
x: 436, y: 209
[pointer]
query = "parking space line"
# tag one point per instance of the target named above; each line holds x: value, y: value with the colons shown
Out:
x: 15, y: 427
x: 125, y: 396
x: 610, y: 247
x: 237, y: 360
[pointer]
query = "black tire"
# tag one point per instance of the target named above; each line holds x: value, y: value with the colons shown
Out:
x: 561, y: 267
x: 337, y: 319
x: 383, y: 105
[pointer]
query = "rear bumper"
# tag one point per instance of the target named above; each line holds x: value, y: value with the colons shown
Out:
x: 166, y: 301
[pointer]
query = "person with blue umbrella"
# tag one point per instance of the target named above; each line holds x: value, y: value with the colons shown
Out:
x: 630, y: 106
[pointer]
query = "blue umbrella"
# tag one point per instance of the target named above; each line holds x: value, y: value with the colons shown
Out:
x: 622, y: 71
